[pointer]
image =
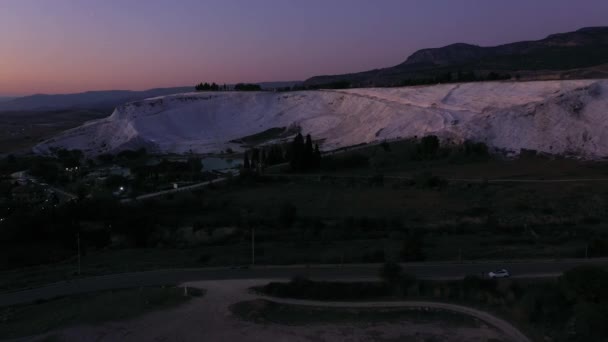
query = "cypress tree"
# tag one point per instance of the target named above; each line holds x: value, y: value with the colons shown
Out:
x: 297, y: 152
x: 317, y: 157
x: 307, y: 158
x: 246, y: 164
x: 255, y: 157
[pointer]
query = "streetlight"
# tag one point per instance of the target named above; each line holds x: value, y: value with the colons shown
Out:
x: 253, y: 245
x: 78, y: 241
x: 249, y: 225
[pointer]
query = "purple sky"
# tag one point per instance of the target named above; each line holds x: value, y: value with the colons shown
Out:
x: 59, y: 46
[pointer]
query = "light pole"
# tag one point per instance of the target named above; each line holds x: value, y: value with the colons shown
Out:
x: 252, y: 245
x: 249, y: 225
x: 78, y: 242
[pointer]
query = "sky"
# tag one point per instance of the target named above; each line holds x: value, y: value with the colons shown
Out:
x: 64, y: 46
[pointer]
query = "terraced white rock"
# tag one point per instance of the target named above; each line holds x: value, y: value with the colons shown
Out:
x: 561, y: 117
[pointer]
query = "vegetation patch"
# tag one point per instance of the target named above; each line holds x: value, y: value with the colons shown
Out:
x: 572, y: 308
x: 264, y: 311
x: 94, y: 308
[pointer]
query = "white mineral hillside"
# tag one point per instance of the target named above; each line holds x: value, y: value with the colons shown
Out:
x: 559, y: 117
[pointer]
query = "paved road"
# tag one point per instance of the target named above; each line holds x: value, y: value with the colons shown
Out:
x: 507, y: 328
x: 463, y: 180
x: 26, y: 176
x: 323, y: 272
x: 172, y: 191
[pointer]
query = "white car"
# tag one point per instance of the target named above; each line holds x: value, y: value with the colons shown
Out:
x: 499, y: 274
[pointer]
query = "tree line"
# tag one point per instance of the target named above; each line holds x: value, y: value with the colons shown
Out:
x: 237, y: 87
x: 301, y: 154
x: 247, y: 87
x: 460, y: 76
x: 210, y: 87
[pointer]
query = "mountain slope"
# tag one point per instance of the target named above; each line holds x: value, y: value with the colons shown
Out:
x: 97, y: 100
x: 557, y: 56
x: 562, y: 117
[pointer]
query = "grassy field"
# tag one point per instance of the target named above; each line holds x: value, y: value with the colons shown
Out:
x: 264, y: 312
x: 343, y: 221
x: 571, y: 308
x: 338, y: 215
x: 395, y: 159
x: 20, y: 131
x: 94, y: 308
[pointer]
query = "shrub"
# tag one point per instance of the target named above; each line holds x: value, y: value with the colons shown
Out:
x: 391, y: 272
x: 411, y: 249
x: 428, y: 180
x: 598, y: 248
x: 428, y: 146
x: 287, y: 214
x: 349, y: 161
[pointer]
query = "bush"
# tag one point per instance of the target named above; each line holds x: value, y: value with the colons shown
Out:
x: 476, y: 149
x: 349, y: 161
x: 411, y: 249
x: 428, y: 146
x: 598, y: 248
x: 391, y: 272
x: 247, y: 87
x: 303, y: 288
x: 428, y: 180
x: 287, y: 214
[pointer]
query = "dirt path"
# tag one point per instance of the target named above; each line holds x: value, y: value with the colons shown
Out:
x: 502, y: 325
x: 210, y: 319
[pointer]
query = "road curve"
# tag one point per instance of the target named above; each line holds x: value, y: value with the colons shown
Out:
x: 508, y: 329
x: 528, y: 269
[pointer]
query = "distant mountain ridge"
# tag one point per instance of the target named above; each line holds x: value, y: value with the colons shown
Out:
x: 105, y: 100
x: 559, y: 56
x: 98, y: 100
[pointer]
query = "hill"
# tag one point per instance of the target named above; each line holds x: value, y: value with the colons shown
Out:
x: 560, y: 117
x: 579, y: 54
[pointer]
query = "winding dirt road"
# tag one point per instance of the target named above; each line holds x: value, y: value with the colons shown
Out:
x: 508, y: 329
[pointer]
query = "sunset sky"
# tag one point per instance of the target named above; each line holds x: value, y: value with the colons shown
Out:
x: 61, y: 46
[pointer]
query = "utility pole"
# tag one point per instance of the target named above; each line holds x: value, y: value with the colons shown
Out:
x: 252, y: 245
x: 78, y: 241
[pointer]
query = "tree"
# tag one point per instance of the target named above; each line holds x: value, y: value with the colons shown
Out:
x: 297, y: 153
x: 274, y: 155
x: 391, y: 272
x: 195, y: 166
x: 476, y: 149
x: 411, y: 249
x: 69, y: 158
x: 246, y: 164
x: 255, y: 158
x: 105, y: 158
x: 317, y: 157
x: 287, y: 214
x: 247, y: 87
x: 429, y: 146
x: 207, y: 87
x: 45, y: 170
x: 307, y: 158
